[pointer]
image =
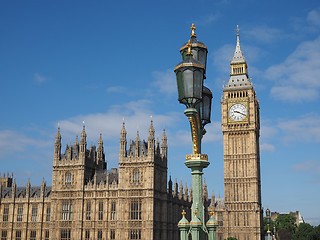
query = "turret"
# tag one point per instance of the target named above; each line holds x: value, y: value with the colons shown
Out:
x: 158, y: 147
x: 186, y: 195
x: 69, y: 157
x: 151, y: 140
x: 170, y: 186
x: 123, y: 142
x: 28, y: 188
x: 164, y: 146
x: 175, y: 191
x: 43, y: 187
x: 57, y: 146
x: 190, y: 194
x: 213, y: 200
x: 137, y: 145
x: 14, y: 186
x: 181, y: 190
x: 205, y: 192
x: 83, y: 144
x: 100, y: 154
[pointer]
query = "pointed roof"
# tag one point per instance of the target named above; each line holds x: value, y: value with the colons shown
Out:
x: 58, y: 136
x: 100, y: 142
x: 238, y: 56
x: 123, y: 129
x: 238, y: 70
x: 83, y: 133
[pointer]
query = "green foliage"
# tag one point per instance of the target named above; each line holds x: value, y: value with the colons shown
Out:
x: 286, y: 222
x: 231, y: 238
x: 307, y: 232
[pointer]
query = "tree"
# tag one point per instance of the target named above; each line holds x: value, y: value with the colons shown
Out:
x: 286, y: 222
x: 303, y: 232
x: 307, y: 232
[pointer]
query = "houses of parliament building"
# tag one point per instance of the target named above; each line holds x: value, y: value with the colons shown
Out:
x: 136, y: 200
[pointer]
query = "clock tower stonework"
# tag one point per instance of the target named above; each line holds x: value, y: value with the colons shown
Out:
x: 242, y: 217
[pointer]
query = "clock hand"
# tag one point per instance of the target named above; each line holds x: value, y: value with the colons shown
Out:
x: 240, y: 113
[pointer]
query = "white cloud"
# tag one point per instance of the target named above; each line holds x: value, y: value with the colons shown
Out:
x: 165, y: 81
x: 306, y: 128
x: 314, y: 17
x: 222, y: 58
x: 116, y: 89
x: 299, y: 73
x: 214, y: 132
x: 39, y: 78
x: 207, y: 19
x: 308, y: 166
x: 267, y: 130
x: 136, y: 116
x: 293, y: 93
x: 13, y: 141
x: 265, y: 34
x: 266, y: 147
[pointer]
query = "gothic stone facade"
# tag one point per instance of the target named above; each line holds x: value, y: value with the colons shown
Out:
x: 240, y: 214
x: 88, y: 202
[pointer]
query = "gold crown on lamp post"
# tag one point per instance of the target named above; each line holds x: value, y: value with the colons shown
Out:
x: 193, y: 28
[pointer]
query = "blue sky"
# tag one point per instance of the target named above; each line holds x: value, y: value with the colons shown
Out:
x: 99, y: 61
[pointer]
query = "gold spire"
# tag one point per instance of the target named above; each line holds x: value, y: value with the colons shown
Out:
x: 211, y: 213
x: 195, y: 212
x: 183, y: 212
x: 189, y: 48
x: 193, y: 28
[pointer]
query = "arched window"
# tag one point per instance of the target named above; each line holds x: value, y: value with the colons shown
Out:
x: 136, y: 176
x: 68, y: 179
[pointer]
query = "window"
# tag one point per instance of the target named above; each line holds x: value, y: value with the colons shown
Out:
x: 33, y: 235
x: 48, y: 213
x: 4, y: 235
x: 220, y: 219
x: 65, y: 234
x: 112, y: 234
x: 18, y: 235
x: 5, y: 213
x: 68, y: 179
x: 135, y: 234
x: 136, y: 176
x: 34, y: 214
x: 99, y: 235
x: 46, y: 235
x: 100, y: 217
x: 87, y: 235
x: 135, y: 210
x: 66, y: 210
x: 113, y: 210
x: 88, y: 212
x: 20, y: 214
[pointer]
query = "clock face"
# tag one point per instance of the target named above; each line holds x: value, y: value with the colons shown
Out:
x: 238, y: 112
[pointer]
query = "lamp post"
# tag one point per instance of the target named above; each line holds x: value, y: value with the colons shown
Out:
x: 190, y: 74
x: 268, y: 217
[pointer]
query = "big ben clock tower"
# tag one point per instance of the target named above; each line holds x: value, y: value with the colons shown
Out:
x: 240, y: 119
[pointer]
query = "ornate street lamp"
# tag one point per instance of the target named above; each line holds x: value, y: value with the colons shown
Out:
x: 197, y: 98
x: 268, y: 217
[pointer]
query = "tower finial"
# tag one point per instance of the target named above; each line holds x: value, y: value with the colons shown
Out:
x: 193, y: 28
x: 189, y: 48
x: 238, y: 30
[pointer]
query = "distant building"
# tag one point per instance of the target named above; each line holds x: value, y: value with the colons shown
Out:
x: 296, y: 214
x: 88, y: 202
